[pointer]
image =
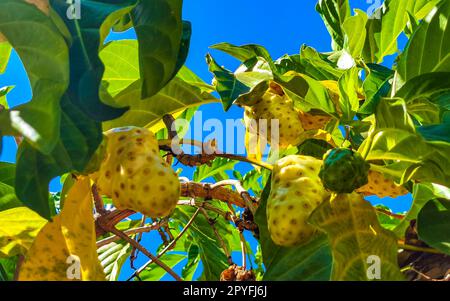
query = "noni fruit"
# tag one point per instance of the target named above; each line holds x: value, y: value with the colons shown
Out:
x: 135, y: 176
x: 296, y: 190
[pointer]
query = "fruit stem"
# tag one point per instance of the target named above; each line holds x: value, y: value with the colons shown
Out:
x: 418, y: 249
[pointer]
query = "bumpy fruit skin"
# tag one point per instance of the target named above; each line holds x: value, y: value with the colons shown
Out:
x: 135, y: 176
x: 343, y: 170
x: 380, y: 186
x: 275, y: 106
x: 296, y: 190
x: 313, y: 122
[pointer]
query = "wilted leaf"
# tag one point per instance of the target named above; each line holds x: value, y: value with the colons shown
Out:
x: 67, y: 243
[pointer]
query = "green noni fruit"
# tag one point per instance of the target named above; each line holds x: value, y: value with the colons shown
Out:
x: 343, y: 170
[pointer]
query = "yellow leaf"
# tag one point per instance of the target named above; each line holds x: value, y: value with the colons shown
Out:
x: 65, y: 249
x: 19, y: 227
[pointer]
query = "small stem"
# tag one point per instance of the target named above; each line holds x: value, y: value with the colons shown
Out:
x: 418, y: 249
x: 129, y: 232
x: 98, y: 201
x: 394, y: 215
x: 168, y: 247
x: 244, y: 256
x: 219, y: 238
x: 138, y: 246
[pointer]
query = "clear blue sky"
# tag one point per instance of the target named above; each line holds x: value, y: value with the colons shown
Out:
x: 281, y: 26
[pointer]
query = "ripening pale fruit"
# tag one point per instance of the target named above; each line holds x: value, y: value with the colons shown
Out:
x: 274, y: 106
x: 296, y: 190
x: 135, y: 176
x: 380, y: 186
x: 343, y: 170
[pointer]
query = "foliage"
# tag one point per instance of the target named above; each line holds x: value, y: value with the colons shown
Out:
x: 395, y: 117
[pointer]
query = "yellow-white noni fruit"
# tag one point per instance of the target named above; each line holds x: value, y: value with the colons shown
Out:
x: 273, y: 106
x: 296, y: 190
x: 135, y: 176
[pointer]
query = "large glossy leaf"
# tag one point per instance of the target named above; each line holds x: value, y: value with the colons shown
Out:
x: 376, y: 85
x: 20, y: 227
x: 334, y: 13
x: 355, y: 33
x: 159, y: 29
x: 348, y: 100
x: 8, y: 268
x: 307, y: 93
x: 356, y: 236
x: 154, y: 272
x: 245, y: 52
x: 429, y: 86
x: 389, y: 23
x: 175, y: 97
x: 80, y: 137
x: 8, y: 198
x: 306, y: 262
x: 309, y: 62
x: 112, y: 257
x: 422, y: 193
x: 44, y: 54
x: 86, y: 69
x: 433, y: 224
x: 211, y: 253
x: 435, y: 57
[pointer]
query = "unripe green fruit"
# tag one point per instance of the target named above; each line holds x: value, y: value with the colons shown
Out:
x: 343, y: 170
x: 296, y: 190
x: 135, y: 176
x: 275, y: 106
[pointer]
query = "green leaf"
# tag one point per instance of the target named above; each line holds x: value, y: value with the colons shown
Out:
x: 159, y: 29
x: 422, y: 193
x: 429, y: 86
x: 246, y: 52
x: 20, y: 226
x: 47, y: 67
x: 80, y: 137
x: 355, y: 236
x: 121, y: 65
x: 334, y: 13
x: 5, y: 52
x: 307, y: 93
x: 376, y: 86
x: 3, y: 92
x: 7, y: 173
x: 218, y: 167
x: 227, y: 85
x: 8, y: 198
x: 154, y: 272
x: 314, y: 148
x: 348, y: 100
x: 112, y: 257
x: 435, y: 57
x: 175, y: 97
x: 211, y: 253
x: 192, y: 263
x: 433, y: 224
x: 386, y: 221
x: 306, y: 262
x: 86, y: 69
x: 8, y: 268
x: 355, y: 33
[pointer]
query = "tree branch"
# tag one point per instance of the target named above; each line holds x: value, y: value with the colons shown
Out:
x: 168, y: 247
x: 138, y: 246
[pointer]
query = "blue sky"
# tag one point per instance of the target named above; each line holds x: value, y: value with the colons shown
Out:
x: 281, y: 26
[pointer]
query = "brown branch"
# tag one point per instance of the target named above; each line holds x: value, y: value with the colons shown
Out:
x: 388, y: 213
x: 138, y: 246
x: 129, y: 232
x: 168, y: 247
x: 98, y: 201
